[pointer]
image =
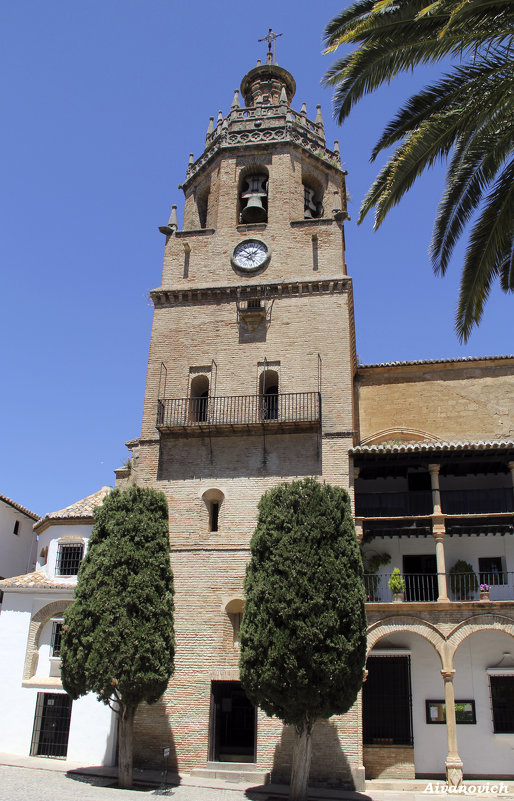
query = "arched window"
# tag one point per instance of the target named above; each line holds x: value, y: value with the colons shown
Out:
x: 253, y: 195
x: 234, y: 610
x: 312, y: 199
x: 268, y: 387
x: 202, y: 204
x: 199, y: 399
x: 213, y: 498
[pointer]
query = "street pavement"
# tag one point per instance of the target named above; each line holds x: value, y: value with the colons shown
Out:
x: 58, y: 781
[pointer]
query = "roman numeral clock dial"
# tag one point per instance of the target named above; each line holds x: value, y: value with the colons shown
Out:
x: 250, y: 255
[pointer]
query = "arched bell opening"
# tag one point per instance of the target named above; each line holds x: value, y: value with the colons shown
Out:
x: 253, y: 195
x: 312, y: 197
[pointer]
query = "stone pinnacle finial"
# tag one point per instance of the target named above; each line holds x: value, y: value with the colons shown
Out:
x: 319, y: 118
x: 172, y: 226
x: 220, y: 118
x: 336, y: 148
x: 172, y: 222
x: 210, y: 127
x: 258, y: 62
x: 235, y: 102
x: 191, y: 161
x: 283, y: 97
x: 303, y: 110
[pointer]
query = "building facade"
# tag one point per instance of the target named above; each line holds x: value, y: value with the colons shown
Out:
x: 43, y: 720
x: 17, y: 541
x: 253, y: 380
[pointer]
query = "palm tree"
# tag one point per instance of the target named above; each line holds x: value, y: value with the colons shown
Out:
x: 466, y: 117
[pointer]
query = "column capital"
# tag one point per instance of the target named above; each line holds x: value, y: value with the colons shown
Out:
x: 448, y: 674
x: 434, y: 468
x: 438, y: 527
x: 356, y: 471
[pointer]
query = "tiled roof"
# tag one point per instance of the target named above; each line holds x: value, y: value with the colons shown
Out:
x: 18, y: 506
x: 437, y: 361
x: 37, y: 580
x: 82, y: 509
x: 420, y: 447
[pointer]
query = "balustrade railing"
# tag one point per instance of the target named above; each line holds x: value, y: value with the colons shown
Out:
x: 477, y: 501
x: 459, y: 586
x: 239, y: 410
x: 393, y: 504
x: 495, y: 500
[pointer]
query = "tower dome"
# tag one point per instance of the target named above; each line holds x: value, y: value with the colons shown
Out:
x: 264, y: 84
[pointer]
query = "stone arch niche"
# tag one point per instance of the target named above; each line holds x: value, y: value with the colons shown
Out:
x: 46, y: 613
x: 408, y: 625
x: 476, y: 624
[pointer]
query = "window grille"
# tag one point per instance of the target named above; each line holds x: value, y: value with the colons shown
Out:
x: 387, y: 702
x: 502, y: 700
x: 69, y: 558
x: 51, y: 725
x: 55, y: 643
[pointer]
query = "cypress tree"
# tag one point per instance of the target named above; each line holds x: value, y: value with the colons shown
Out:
x: 118, y: 638
x: 303, y: 634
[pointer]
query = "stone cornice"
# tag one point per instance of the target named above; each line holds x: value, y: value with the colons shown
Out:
x: 163, y: 296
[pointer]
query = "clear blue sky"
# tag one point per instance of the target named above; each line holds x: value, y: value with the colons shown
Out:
x: 102, y: 103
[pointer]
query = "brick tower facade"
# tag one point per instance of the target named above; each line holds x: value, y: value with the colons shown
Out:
x: 249, y: 383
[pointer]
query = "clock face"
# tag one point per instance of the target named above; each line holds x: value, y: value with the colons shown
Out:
x: 250, y: 255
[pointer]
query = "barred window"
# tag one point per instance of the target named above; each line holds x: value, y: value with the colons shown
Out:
x: 69, y: 558
x: 502, y: 697
x: 55, y: 643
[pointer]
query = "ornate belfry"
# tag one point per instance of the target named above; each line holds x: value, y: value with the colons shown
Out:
x: 254, y: 298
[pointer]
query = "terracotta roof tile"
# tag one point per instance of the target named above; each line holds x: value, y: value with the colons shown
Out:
x: 80, y: 509
x: 37, y: 580
x: 413, y: 447
x: 18, y: 506
x: 437, y: 361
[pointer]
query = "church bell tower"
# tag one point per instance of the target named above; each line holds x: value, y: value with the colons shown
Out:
x: 249, y: 384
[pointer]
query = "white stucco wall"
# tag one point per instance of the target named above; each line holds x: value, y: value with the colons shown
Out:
x: 482, y: 751
x: 92, y: 739
x: 17, y: 551
x: 49, y: 541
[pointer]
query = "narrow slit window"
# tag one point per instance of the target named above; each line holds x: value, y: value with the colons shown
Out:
x: 214, y: 515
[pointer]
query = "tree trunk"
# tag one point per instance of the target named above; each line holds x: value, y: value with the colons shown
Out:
x: 302, y: 751
x: 126, y: 725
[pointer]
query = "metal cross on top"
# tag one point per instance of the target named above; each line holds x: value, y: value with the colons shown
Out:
x: 269, y: 38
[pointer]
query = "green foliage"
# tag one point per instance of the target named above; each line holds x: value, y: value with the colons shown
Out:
x: 396, y: 582
x: 463, y: 579
x: 303, y: 635
x: 467, y: 116
x: 118, y: 636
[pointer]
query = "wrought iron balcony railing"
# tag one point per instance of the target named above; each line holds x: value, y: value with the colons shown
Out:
x: 393, y: 504
x: 492, y: 500
x: 239, y: 412
x: 477, y: 501
x: 424, y: 587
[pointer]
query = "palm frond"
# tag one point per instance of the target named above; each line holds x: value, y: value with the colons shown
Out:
x: 490, y: 247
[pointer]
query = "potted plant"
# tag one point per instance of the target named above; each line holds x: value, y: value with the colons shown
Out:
x: 463, y: 581
x: 484, y: 592
x: 372, y: 562
x: 397, y: 585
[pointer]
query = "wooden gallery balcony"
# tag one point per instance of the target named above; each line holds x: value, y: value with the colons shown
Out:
x: 245, y: 414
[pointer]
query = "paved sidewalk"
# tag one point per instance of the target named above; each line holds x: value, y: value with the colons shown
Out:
x: 41, y: 779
